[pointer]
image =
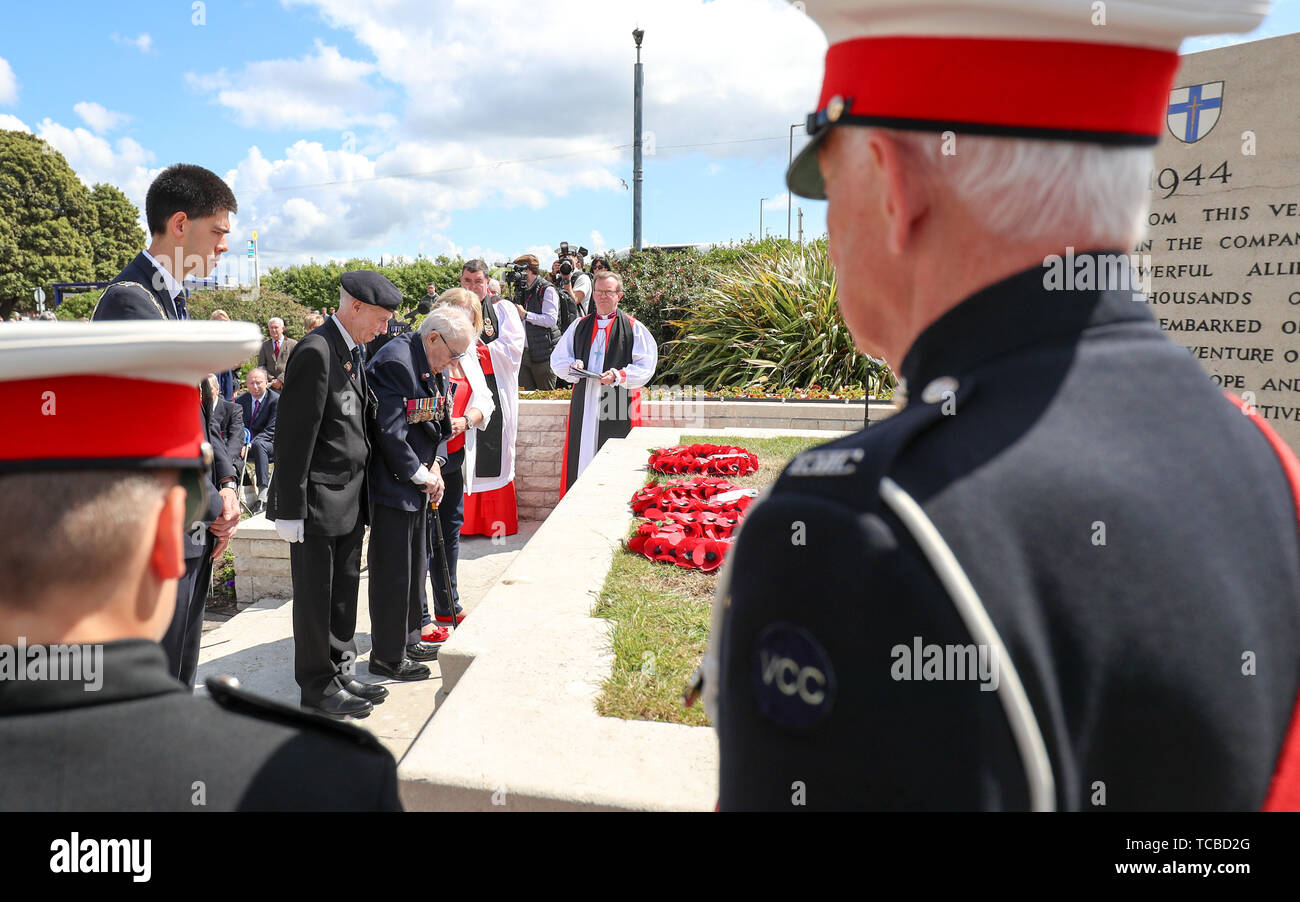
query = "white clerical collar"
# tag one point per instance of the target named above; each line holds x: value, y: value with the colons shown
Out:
x: 173, y: 287
x: 346, y: 336
x: 605, y: 319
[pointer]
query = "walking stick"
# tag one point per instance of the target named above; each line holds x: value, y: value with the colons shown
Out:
x: 446, y: 567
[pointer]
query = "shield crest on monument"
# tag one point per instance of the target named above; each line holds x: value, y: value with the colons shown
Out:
x: 1194, y: 110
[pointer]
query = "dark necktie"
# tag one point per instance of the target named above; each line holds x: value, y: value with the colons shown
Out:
x: 256, y: 405
x: 277, y: 349
x: 357, y: 365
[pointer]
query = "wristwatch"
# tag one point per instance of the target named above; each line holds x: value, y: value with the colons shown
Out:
x: 441, y: 462
x: 229, y: 482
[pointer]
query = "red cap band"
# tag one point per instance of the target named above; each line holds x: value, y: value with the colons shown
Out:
x: 79, y: 418
x: 1013, y: 87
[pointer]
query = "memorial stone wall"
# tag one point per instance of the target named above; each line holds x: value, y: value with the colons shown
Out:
x: 1221, y: 259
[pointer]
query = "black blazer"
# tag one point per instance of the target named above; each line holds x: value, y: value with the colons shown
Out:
x: 322, y: 447
x: 229, y: 421
x: 125, y: 301
x: 267, y: 413
x: 148, y: 299
x: 398, y: 373
x: 253, y: 754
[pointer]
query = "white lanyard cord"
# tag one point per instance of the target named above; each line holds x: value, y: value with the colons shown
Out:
x: 1011, y: 692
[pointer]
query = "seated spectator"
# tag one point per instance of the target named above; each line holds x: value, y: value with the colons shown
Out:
x: 229, y: 419
x: 260, y: 405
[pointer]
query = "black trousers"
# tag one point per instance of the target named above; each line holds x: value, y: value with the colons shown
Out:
x: 398, y: 559
x: 185, y: 632
x: 262, y: 452
x: 452, y: 514
x: 326, y: 576
x: 534, y: 376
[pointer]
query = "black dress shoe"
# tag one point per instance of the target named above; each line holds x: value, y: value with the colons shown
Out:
x: 371, y: 692
x: 406, y: 669
x: 422, y: 651
x: 340, y: 704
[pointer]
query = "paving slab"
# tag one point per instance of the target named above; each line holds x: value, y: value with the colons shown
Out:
x: 256, y: 645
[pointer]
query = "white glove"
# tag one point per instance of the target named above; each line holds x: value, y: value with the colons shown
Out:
x: 290, y: 530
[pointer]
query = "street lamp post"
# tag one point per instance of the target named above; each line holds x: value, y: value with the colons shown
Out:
x: 787, y: 169
x: 761, y: 201
x: 637, y: 35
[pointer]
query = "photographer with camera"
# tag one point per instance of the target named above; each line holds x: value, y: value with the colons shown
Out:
x: 573, y: 284
x: 539, y: 307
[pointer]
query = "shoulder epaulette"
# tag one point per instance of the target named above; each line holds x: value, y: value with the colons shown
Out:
x: 869, y: 456
x: 149, y: 295
x: 226, y: 692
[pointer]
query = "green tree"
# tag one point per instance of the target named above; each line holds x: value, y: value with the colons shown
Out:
x: 118, y: 236
x: 46, y: 219
x: 316, y: 285
x: 77, y: 306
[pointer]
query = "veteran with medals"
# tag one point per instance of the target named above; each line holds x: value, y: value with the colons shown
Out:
x: 408, y: 377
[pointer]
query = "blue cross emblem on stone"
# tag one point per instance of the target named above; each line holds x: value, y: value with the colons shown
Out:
x: 1194, y: 110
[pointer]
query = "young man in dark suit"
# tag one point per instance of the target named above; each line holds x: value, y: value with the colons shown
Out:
x: 318, y: 496
x: 260, y: 406
x: 187, y: 209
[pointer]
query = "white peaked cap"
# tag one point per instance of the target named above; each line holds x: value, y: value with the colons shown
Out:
x: 63, y: 387
x: 1075, y: 70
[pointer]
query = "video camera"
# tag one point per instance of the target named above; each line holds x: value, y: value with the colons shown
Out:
x: 517, y: 277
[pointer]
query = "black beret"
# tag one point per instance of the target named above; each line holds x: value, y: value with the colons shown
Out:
x: 370, y: 287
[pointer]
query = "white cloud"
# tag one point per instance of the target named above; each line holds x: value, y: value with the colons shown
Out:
x: 99, y: 118
x: 780, y: 202
x: 714, y: 71
x: 125, y: 164
x: 141, y: 42
x: 597, y: 241
x: 12, y: 124
x: 320, y: 90
x: 327, y: 202
x: 429, y: 121
x: 8, y: 82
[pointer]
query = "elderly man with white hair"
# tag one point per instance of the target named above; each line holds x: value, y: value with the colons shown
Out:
x: 274, y: 355
x: 409, y: 378
x: 1025, y: 590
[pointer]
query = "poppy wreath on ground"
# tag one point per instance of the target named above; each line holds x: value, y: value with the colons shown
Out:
x: 708, y: 460
x: 688, y: 523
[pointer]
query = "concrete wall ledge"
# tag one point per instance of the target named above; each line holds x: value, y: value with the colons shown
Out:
x: 519, y: 729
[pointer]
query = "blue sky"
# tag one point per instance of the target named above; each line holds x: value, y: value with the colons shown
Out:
x: 436, y: 126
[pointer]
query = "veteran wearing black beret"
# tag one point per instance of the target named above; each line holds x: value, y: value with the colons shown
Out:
x: 318, y: 497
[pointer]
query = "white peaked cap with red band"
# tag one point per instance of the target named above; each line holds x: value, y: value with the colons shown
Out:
x: 1075, y: 70
x: 110, y: 395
